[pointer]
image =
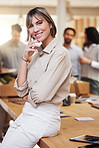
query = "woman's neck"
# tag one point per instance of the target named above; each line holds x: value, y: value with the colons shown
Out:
x: 47, y: 41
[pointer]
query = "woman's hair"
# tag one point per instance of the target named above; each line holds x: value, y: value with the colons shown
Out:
x: 40, y: 11
x: 92, y: 35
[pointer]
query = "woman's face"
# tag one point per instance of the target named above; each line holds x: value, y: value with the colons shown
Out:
x: 39, y: 29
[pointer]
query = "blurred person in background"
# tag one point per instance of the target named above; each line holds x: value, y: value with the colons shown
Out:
x: 11, y: 52
x: 74, y: 51
x: 11, y: 55
x: 90, y: 60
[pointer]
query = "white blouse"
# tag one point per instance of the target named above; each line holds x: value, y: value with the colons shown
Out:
x: 48, y: 78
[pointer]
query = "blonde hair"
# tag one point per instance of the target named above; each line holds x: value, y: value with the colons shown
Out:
x: 41, y: 12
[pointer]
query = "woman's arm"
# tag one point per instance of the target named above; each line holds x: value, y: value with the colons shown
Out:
x: 85, y: 60
x: 30, y: 49
x: 22, y: 75
x: 21, y: 84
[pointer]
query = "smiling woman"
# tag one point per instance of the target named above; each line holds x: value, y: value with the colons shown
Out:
x: 39, y: 29
x: 43, y: 83
x: 42, y: 24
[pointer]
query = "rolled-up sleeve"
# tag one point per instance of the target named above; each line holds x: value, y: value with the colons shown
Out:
x: 22, y: 90
x: 47, y: 86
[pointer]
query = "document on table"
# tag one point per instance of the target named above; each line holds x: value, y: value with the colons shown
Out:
x: 82, y: 99
x: 84, y: 118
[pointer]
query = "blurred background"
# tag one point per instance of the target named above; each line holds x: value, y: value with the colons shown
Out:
x: 66, y: 13
x: 78, y: 14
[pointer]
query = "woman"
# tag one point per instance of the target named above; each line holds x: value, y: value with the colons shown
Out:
x: 90, y: 61
x: 43, y: 83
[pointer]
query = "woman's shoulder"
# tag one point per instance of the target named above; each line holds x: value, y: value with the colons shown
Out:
x: 60, y: 49
x: 96, y: 48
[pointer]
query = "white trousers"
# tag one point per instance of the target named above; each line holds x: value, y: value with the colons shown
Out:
x: 29, y: 127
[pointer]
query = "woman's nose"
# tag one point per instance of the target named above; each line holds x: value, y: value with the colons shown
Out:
x: 36, y: 28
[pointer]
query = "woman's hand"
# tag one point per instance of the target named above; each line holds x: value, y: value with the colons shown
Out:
x: 84, y: 60
x: 30, y: 49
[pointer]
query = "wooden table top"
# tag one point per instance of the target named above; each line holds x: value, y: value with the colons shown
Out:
x: 79, y: 87
x: 72, y: 128
x: 13, y: 109
x: 69, y: 126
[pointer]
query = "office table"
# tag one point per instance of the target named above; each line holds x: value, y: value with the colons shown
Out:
x: 69, y: 126
x: 78, y: 87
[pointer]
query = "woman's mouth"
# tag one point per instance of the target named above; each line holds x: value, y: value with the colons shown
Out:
x: 39, y: 35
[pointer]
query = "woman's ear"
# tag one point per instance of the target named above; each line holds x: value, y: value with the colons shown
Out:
x: 50, y: 25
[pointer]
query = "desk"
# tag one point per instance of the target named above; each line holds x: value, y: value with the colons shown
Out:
x: 80, y: 87
x: 14, y: 110
x: 69, y: 126
x: 8, y: 89
x: 72, y: 128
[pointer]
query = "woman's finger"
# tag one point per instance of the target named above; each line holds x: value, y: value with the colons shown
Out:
x: 34, y: 45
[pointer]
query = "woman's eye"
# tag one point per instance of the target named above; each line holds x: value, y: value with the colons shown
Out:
x: 30, y: 26
x: 40, y: 22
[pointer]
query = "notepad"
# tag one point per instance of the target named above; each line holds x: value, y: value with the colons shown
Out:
x: 84, y: 118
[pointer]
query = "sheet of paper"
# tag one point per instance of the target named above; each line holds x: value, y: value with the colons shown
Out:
x: 83, y: 118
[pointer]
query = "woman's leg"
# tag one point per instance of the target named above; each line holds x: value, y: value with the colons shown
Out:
x: 28, y: 129
x: 16, y: 136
